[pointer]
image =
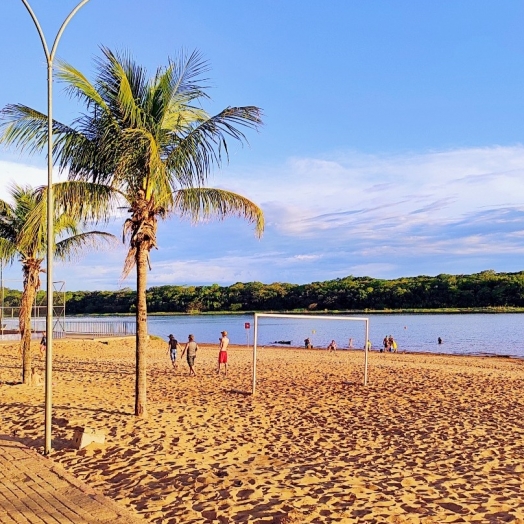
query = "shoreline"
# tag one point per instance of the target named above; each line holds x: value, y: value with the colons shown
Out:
x: 409, y: 311
x: 210, y: 345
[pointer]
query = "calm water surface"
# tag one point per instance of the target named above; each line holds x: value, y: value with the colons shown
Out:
x: 499, y: 334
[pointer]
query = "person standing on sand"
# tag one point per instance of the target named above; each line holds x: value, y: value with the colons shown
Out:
x: 43, y: 344
x: 222, y: 351
x: 394, y: 345
x: 385, y: 344
x: 190, y: 350
x: 172, y: 347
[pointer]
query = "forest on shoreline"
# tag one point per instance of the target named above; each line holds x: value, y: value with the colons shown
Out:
x: 478, y: 291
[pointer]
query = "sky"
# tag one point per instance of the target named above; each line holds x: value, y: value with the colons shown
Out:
x: 392, y: 144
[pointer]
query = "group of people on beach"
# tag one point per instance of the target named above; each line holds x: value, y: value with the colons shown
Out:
x: 190, y: 350
x: 389, y: 344
x: 332, y: 346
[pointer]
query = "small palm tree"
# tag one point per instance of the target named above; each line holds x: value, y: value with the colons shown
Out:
x: 23, y: 233
x: 150, y: 141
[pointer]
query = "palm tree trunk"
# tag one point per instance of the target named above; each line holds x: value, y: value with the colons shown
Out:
x: 31, y: 284
x: 141, y: 330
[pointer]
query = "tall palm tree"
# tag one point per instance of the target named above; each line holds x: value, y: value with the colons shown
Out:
x: 150, y: 140
x: 23, y: 233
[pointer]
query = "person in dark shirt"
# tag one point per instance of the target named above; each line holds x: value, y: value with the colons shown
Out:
x: 43, y: 344
x: 172, y: 347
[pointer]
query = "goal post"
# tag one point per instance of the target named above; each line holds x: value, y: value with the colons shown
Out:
x: 308, y: 317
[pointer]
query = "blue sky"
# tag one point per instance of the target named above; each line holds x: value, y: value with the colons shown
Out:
x: 393, y: 142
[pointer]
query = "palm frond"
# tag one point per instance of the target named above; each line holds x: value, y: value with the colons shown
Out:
x: 65, y: 224
x: 8, y: 251
x: 86, y: 201
x: 114, y: 69
x: 186, y: 75
x: 131, y: 111
x: 7, y: 219
x: 70, y: 248
x: 6, y: 208
x: 206, y: 203
x: 129, y: 263
x: 192, y: 156
x: 26, y: 129
x: 79, y: 86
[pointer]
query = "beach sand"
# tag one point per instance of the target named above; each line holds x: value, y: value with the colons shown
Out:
x: 431, y: 439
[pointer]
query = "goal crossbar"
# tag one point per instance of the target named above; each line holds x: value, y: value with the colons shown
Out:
x: 309, y: 317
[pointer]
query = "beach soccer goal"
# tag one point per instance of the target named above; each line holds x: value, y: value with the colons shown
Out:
x: 258, y: 316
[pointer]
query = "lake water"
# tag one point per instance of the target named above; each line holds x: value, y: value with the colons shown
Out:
x: 499, y: 334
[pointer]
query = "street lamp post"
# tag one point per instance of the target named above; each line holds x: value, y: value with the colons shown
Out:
x: 50, y: 55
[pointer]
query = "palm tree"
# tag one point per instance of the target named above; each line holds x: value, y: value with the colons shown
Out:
x: 23, y: 233
x: 149, y: 140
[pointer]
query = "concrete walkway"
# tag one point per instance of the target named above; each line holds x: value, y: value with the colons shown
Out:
x: 33, y: 489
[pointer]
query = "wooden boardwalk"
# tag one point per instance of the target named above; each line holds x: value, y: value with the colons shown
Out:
x: 33, y: 489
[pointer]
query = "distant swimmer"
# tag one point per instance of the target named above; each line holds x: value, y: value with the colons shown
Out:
x: 439, y: 340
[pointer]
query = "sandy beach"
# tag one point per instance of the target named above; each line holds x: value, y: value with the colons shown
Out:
x: 431, y: 439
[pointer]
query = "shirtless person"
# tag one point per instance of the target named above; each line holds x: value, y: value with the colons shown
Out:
x: 332, y: 346
x: 191, y: 350
x: 222, y: 351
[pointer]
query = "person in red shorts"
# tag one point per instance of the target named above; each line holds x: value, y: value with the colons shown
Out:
x: 222, y: 352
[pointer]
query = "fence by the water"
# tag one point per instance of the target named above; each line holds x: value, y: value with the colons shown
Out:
x: 98, y: 328
x: 71, y: 328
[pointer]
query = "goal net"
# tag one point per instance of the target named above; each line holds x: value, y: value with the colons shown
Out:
x: 260, y: 316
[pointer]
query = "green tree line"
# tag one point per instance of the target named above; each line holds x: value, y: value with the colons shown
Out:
x: 479, y: 290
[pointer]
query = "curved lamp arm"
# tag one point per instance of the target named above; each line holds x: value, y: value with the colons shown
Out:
x: 51, y: 55
x: 50, y: 207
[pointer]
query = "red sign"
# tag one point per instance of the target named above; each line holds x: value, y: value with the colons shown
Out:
x: 247, y: 325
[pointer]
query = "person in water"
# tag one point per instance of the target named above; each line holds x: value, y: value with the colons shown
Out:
x: 439, y: 340
x: 307, y: 343
x: 332, y: 346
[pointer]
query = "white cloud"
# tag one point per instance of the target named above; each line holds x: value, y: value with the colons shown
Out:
x: 23, y: 174
x: 378, y: 196
x: 224, y: 269
x: 355, y: 214
x: 307, y: 257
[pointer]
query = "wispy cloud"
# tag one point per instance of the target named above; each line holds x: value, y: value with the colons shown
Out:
x: 384, y: 216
